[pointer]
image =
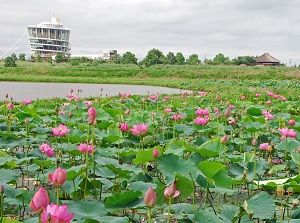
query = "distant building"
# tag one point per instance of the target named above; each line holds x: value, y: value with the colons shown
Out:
x: 267, y: 60
x: 108, y: 54
x: 48, y: 38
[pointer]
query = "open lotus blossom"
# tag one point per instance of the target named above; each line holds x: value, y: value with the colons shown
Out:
x: 150, y: 197
x: 202, y: 112
x: 56, y: 214
x: 168, y: 110
x: 286, y: 132
x: 176, y: 117
x: 264, y: 146
x: 268, y: 115
x: 46, y: 148
x: 61, y: 130
x: 140, y: 129
x: 39, y: 201
x: 88, y: 103
x: 153, y: 97
x: 171, y: 191
x: 201, y: 120
x: 268, y: 102
x: 124, y: 127
x: 58, y: 178
x: 258, y: 95
x: 26, y: 101
x: 83, y: 147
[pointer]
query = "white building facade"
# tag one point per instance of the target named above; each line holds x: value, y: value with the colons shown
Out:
x: 49, y: 38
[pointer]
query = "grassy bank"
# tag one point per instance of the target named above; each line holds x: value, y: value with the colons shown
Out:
x: 284, y: 80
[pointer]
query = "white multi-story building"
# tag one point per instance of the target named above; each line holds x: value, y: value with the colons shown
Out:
x: 48, y: 38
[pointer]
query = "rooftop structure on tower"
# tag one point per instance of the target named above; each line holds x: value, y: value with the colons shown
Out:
x: 48, y: 38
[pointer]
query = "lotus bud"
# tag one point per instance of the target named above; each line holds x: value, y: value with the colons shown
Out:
x: 150, y: 198
x: 254, y: 142
x: 155, y: 153
x: 2, y: 189
x: 296, y: 202
x: 224, y: 139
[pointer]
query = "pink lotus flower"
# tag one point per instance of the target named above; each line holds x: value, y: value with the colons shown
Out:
x: 270, y: 93
x: 155, y: 153
x: 268, y: 102
x: 58, y: 178
x: 153, y: 97
x: 46, y: 148
x: 254, y: 142
x: 124, y: 127
x: 83, y: 147
x: 202, y: 93
x: 10, y: 106
x: 243, y: 97
x: 231, y: 121
x: 227, y: 113
x: 286, y: 132
x: 26, y: 101
x: 202, y: 112
x: 292, y: 122
x: 224, y: 139
x: 275, y: 96
x: 92, y: 114
x: 140, y: 129
x: 61, y: 130
x: 264, y: 146
x: 127, y: 112
x: 168, y: 110
x: 200, y: 121
x: 88, y: 103
x: 56, y: 214
x: 39, y: 201
x: 61, y: 112
x: 171, y: 191
x: 176, y: 117
x: 283, y: 98
x: 150, y: 198
x: 258, y: 95
x: 144, y: 100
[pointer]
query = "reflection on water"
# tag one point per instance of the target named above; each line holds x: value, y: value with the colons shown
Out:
x: 33, y: 91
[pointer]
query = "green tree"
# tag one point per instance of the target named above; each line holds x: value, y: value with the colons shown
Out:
x: 221, y: 59
x: 14, y: 57
x: 171, y: 59
x: 117, y: 58
x: 193, y: 59
x: 22, y: 56
x: 128, y: 58
x: 61, y: 57
x: 9, y: 62
x: 180, y: 58
x: 248, y: 60
x: 39, y: 58
x: 153, y: 57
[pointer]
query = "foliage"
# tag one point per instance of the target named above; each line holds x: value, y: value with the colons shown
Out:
x: 9, y: 62
x: 128, y: 58
x: 180, y: 58
x: 22, y: 56
x: 14, y: 57
x: 193, y: 59
x: 171, y: 59
x: 153, y: 57
x: 219, y: 59
x: 39, y: 58
x: 248, y: 60
x: 61, y: 57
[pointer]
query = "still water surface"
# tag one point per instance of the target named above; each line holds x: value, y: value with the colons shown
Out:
x: 33, y: 91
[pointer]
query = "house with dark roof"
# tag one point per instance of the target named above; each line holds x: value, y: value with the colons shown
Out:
x: 267, y: 60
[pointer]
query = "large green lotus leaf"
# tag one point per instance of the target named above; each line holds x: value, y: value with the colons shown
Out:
x: 76, y: 136
x: 7, y: 176
x: 107, y: 183
x: 112, y: 219
x: 210, y: 169
x: 144, y: 156
x: 170, y: 165
x: 254, y: 111
x: 261, y: 205
x: 127, y: 199
x: 148, y: 140
x: 8, y: 160
x: 229, y: 212
x: 10, y: 192
x: 223, y: 183
x: 83, y: 210
x: 295, y: 214
x: 290, y: 145
x: 71, y: 185
x: 260, y: 169
x: 296, y: 157
x: 211, y: 148
x: 254, y: 126
x: 9, y: 220
x: 141, y: 186
x: 184, y: 208
x: 206, y: 217
x: 185, y: 186
x: 75, y: 171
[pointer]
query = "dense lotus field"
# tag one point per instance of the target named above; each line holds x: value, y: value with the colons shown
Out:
x: 158, y: 158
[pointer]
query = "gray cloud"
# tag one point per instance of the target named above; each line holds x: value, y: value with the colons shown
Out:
x: 205, y: 27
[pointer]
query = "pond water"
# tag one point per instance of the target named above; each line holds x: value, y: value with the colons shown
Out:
x: 20, y: 90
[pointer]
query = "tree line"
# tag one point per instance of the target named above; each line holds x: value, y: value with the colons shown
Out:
x: 153, y: 57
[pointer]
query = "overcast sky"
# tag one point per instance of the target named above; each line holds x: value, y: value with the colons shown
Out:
x: 204, y: 27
